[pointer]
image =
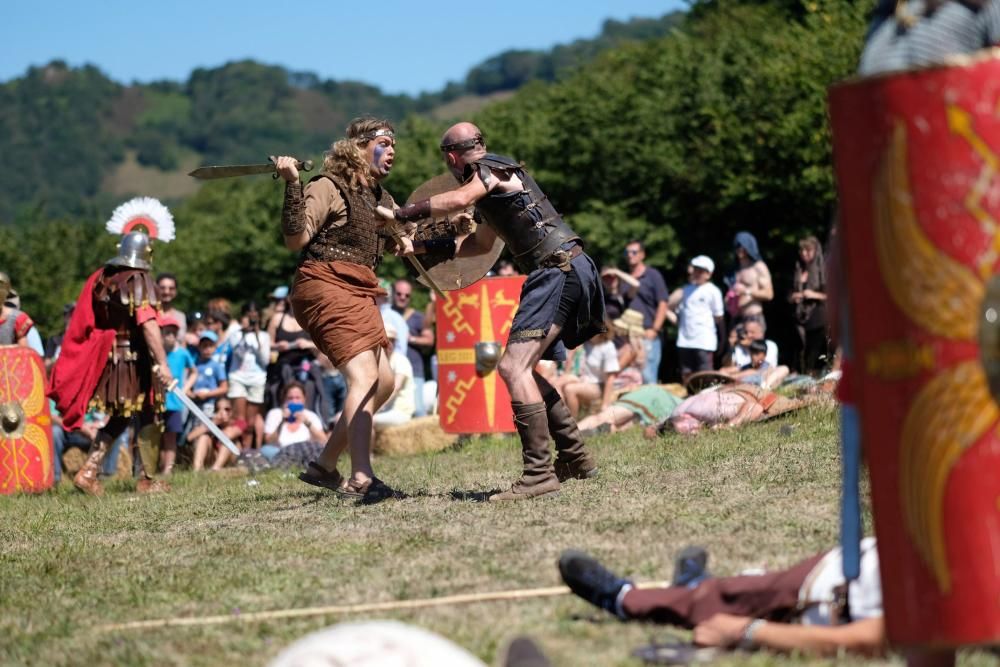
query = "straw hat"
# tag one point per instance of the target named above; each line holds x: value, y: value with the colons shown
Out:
x: 630, y: 322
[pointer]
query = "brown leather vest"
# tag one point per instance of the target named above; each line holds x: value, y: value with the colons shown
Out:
x: 360, y: 240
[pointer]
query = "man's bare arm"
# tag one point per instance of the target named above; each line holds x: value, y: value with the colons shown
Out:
x: 865, y: 637
x: 154, y: 341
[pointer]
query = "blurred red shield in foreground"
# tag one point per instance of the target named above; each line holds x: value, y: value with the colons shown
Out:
x: 916, y: 156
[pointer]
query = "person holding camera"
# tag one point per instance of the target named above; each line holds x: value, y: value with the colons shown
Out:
x: 291, y: 423
x: 251, y: 352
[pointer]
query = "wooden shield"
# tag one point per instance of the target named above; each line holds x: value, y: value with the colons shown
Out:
x: 471, y: 401
x: 917, y: 156
x: 25, y: 423
x: 450, y: 273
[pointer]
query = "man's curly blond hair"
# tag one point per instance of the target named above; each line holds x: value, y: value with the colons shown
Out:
x: 346, y: 158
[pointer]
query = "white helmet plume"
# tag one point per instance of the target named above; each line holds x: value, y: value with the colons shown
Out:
x: 144, y: 211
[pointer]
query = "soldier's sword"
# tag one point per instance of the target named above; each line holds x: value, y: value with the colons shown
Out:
x: 229, y: 171
x: 204, y: 419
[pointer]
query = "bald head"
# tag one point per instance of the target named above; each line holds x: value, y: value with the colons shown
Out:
x: 460, y: 133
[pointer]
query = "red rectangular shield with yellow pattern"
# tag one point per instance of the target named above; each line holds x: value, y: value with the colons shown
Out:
x: 25, y: 423
x: 471, y: 400
x: 916, y: 157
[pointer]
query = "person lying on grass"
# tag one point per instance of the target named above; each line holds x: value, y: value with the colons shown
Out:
x: 807, y: 607
x: 648, y: 405
x: 724, y: 406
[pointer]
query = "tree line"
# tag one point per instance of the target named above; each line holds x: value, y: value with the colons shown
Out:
x: 679, y: 141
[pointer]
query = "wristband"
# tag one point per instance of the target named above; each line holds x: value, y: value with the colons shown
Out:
x: 415, y: 211
x: 746, y: 642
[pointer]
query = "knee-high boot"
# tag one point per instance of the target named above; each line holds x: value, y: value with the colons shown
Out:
x: 573, y: 461
x: 537, y: 478
x: 86, y: 478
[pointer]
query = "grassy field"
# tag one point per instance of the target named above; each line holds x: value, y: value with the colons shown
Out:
x: 765, y: 495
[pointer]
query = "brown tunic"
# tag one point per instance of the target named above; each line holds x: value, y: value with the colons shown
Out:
x: 333, y: 295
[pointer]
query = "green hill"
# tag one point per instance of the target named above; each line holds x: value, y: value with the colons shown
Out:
x: 82, y: 141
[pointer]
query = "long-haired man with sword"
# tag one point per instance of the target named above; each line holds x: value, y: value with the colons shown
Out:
x: 332, y: 221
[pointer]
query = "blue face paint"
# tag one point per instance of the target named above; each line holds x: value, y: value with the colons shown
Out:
x: 377, y: 156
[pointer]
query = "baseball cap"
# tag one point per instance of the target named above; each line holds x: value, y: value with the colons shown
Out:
x: 168, y: 321
x: 210, y: 335
x: 703, y: 262
x: 280, y: 292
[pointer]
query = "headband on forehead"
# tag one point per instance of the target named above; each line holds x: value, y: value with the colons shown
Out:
x: 381, y: 132
x: 464, y: 145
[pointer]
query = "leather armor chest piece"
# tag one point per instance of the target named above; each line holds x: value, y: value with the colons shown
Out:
x: 360, y: 240
x: 526, y: 221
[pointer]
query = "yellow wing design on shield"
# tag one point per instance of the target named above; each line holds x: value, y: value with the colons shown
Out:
x: 955, y: 408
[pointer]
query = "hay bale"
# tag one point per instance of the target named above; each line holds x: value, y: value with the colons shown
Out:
x: 74, y: 457
x: 419, y: 435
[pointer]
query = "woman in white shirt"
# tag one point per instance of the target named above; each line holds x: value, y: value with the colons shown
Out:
x: 251, y: 352
x: 291, y: 423
x: 596, y: 378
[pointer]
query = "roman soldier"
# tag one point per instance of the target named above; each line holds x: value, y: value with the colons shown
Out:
x: 113, y: 359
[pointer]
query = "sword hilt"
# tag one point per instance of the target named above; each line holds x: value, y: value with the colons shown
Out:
x: 306, y: 165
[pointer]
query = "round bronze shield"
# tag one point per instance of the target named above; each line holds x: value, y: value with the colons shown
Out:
x: 450, y: 273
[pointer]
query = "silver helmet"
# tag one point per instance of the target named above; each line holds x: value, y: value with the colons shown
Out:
x: 134, y: 252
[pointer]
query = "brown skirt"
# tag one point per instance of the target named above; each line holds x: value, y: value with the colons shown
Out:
x: 335, y: 303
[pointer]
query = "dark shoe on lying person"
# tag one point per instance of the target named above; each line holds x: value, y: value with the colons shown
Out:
x: 591, y: 581
x: 690, y: 567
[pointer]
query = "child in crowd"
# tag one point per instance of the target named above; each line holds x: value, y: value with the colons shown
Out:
x: 760, y: 371
x: 597, y: 373
x: 182, y: 366
x: 208, y: 383
x: 204, y: 441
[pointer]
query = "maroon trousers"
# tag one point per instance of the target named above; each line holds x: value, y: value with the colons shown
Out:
x: 773, y: 596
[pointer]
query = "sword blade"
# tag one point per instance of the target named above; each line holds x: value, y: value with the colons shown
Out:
x: 229, y: 171
x: 212, y: 172
x: 204, y: 419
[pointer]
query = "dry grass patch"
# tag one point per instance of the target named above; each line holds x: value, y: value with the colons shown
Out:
x: 764, y: 495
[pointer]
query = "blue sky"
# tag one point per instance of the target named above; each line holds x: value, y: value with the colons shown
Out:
x: 396, y: 45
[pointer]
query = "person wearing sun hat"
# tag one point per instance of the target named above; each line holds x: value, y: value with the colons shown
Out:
x: 699, y: 310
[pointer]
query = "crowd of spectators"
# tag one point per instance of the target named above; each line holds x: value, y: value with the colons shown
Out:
x: 262, y: 380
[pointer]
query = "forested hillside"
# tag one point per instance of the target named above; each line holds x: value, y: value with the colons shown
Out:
x: 82, y: 141
x: 680, y: 140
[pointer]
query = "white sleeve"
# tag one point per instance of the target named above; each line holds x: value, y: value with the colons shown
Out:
x: 610, y: 364
x: 717, y: 306
x: 273, y: 420
x: 772, y: 353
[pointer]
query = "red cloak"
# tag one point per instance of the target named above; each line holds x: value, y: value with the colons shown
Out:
x: 85, y: 350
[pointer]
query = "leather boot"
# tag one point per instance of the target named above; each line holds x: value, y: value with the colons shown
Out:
x: 573, y: 461
x: 86, y: 479
x: 148, y: 443
x: 537, y: 479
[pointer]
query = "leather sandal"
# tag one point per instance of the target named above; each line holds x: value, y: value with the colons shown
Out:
x: 317, y: 475
x: 372, y: 490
